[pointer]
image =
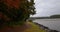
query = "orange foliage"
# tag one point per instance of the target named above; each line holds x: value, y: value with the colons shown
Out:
x: 12, y: 3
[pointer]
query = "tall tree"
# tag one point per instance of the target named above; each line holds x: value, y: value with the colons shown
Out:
x: 17, y: 10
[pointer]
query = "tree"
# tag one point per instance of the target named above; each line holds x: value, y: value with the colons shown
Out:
x: 17, y: 11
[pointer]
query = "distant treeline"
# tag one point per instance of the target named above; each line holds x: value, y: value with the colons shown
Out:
x: 55, y: 16
x: 52, y: 16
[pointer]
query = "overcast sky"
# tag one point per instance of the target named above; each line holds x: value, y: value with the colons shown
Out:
x: 46, y: 7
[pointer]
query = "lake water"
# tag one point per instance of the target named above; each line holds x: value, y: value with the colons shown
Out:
x: 51, y: 23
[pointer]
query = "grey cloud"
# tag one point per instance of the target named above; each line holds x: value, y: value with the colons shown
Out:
x: 47, y: 7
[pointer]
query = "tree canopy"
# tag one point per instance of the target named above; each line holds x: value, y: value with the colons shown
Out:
x: 11, y: 8
x: 17, y: 10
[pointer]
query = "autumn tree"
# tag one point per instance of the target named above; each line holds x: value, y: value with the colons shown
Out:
x: 16, y: 10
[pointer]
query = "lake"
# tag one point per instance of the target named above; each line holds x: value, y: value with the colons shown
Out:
x: 51, y: 23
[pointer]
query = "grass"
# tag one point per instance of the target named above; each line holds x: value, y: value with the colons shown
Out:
x: 34, y: 28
